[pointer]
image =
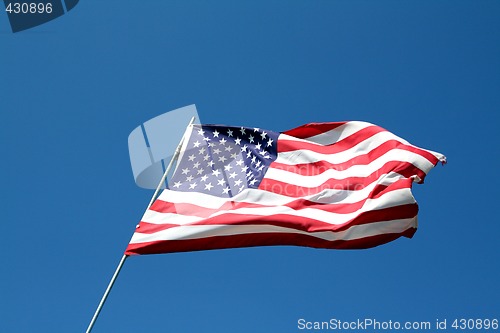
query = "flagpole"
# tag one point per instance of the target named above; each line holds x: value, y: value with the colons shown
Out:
x: 122, y: 261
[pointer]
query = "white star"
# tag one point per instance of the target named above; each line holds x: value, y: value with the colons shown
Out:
x: 244, y: 169
x: 261, y: 167
x: 192, y: 186
x: 216, y: 134
x: 201, y: 131
x: 237, y: 141
x: 239, y: 162
x: 233, y: 156
x: 263, y: 135
x: 211, y: 144
x: 189, y: 178
x: 200, y: 171
x: 206, y: 138
x: 201, y: 151
x: 216, y: 151
x: 222, y: 159
x: 254, y: 158
x: 244, y: 148
x: 238, y: 182
x: 228, y: 167
x: 222, y: 141
x: 196, y: 165
x: 242, y: 130
x: 256, y: 129
x: 204, y: 178
x: 257, y: 146
x: 206, y: 157
x: 216, y: 173
x: 196, y: 144
x: 258, y: 163
x: 228, y: 148
x: 249, y: 154
x: 191, y: 158
x: 250, y: 138
x: 185, y: 171
x: 270, y: 142
x: 226, y: 190
x: 177, y: 184
x: 221, y: 182
x: 232, y: 175
x: 210, y: 164
x: 208, y: 186
x: 241, y: 188
x: 253, y: 181
x: 229, y: 132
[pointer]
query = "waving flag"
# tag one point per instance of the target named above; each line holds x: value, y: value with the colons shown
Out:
x: 342, y: 185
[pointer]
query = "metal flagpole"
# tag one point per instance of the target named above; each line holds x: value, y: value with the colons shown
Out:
x: 122, y: 261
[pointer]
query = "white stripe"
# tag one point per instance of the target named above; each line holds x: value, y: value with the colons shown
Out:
x: 203, y: 231
x: 354, y: 171
x: 152, y: 216
x: 387, y: 200
x: 194, y: 198
x: 439, y: 156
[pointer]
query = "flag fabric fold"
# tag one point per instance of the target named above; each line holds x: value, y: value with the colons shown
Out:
x: 338, y: 185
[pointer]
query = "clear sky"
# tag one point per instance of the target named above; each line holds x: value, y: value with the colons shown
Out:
x: 73, y: 89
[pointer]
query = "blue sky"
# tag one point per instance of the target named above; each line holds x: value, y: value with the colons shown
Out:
x: 73, y: 89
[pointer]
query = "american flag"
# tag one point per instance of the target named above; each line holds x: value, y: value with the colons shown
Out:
x: 339, y: 185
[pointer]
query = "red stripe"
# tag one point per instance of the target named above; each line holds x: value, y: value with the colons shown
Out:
x: 348, y: 142
x: 307, y: 224
x: 405, y: 169
x: 312, y: 129
x: 251, y: 240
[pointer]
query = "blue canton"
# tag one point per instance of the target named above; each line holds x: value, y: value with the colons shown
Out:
x: 223, y: 161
